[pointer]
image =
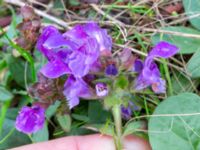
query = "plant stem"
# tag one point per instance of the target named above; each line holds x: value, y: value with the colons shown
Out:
x: 118, y: 126
x: 167, y: 74
x: 4, y: 109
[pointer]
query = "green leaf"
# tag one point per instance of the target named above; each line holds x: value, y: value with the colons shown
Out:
x: 193, y: 66
x: 192, y: 11
x: 74, y: 2
x: 52, y: 109
x: 106, y: 128
x: 20, y: 70
x: 133, y: 127
x: 5, y: 95
x: 181, y: 83
x: 80, y: 117
x: 2, y: 64
x: 10, y: 137
x: 173, y: 127
x: 187, y: 45
x: 100, y: 115
x: 4, y: 108
x: 64, y: 121
x: 41, y: 135
x: 121, y: 82
x: 112, y: 100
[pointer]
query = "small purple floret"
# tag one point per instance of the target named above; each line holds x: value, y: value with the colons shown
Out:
x: 30, y: 119
x: 101, y: 89
x: 138, y: 65
x: 150, y: 74
x: 111, y: 70
x: 127, y: 111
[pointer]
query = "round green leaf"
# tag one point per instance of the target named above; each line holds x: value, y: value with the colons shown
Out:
x: 193, y: 12
x: 193, y: 66
x: 173, y: 127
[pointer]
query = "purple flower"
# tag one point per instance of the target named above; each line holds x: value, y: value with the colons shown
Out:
x: 138, y: 65
x: 30, y: 119
x: 73, y: 52
x: 164, y: 50
x: 101, y: 89
x: 92, y: 30
x: 111, y: 70
x: 75, y: 88
x: 127, y: 111
x: 76, y: 52
x: 150, y: 75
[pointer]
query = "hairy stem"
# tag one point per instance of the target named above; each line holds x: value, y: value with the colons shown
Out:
x: 118, y: 126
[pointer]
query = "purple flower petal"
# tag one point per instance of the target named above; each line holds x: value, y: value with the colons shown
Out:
x: 76, y: 34
x: 127, y: 111
x: 91, y: 50
x: 159, y: 86
x: 54, y: 69
x: 151, y: 72
x: 75, y: 88
x: 138, y: 66
x: 47, y: 32
x: 30, y: 119
x: 141, y: 83
x: 81, y: 32
x: 77, y: 64
x: 57, y: 41
x: 104, y: 40
x: 164, y: 49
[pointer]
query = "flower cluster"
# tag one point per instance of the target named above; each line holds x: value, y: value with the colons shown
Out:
x: 81, y: 53
x: 74, y: 53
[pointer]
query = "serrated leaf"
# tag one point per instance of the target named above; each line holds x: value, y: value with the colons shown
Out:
x: 193, y: 66
x: 64, y: 121
x: 187, y: 45
x: 173, y: 126
x: 193, y: 12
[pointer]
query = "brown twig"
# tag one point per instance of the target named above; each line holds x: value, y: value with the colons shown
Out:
x: 41, y: 13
